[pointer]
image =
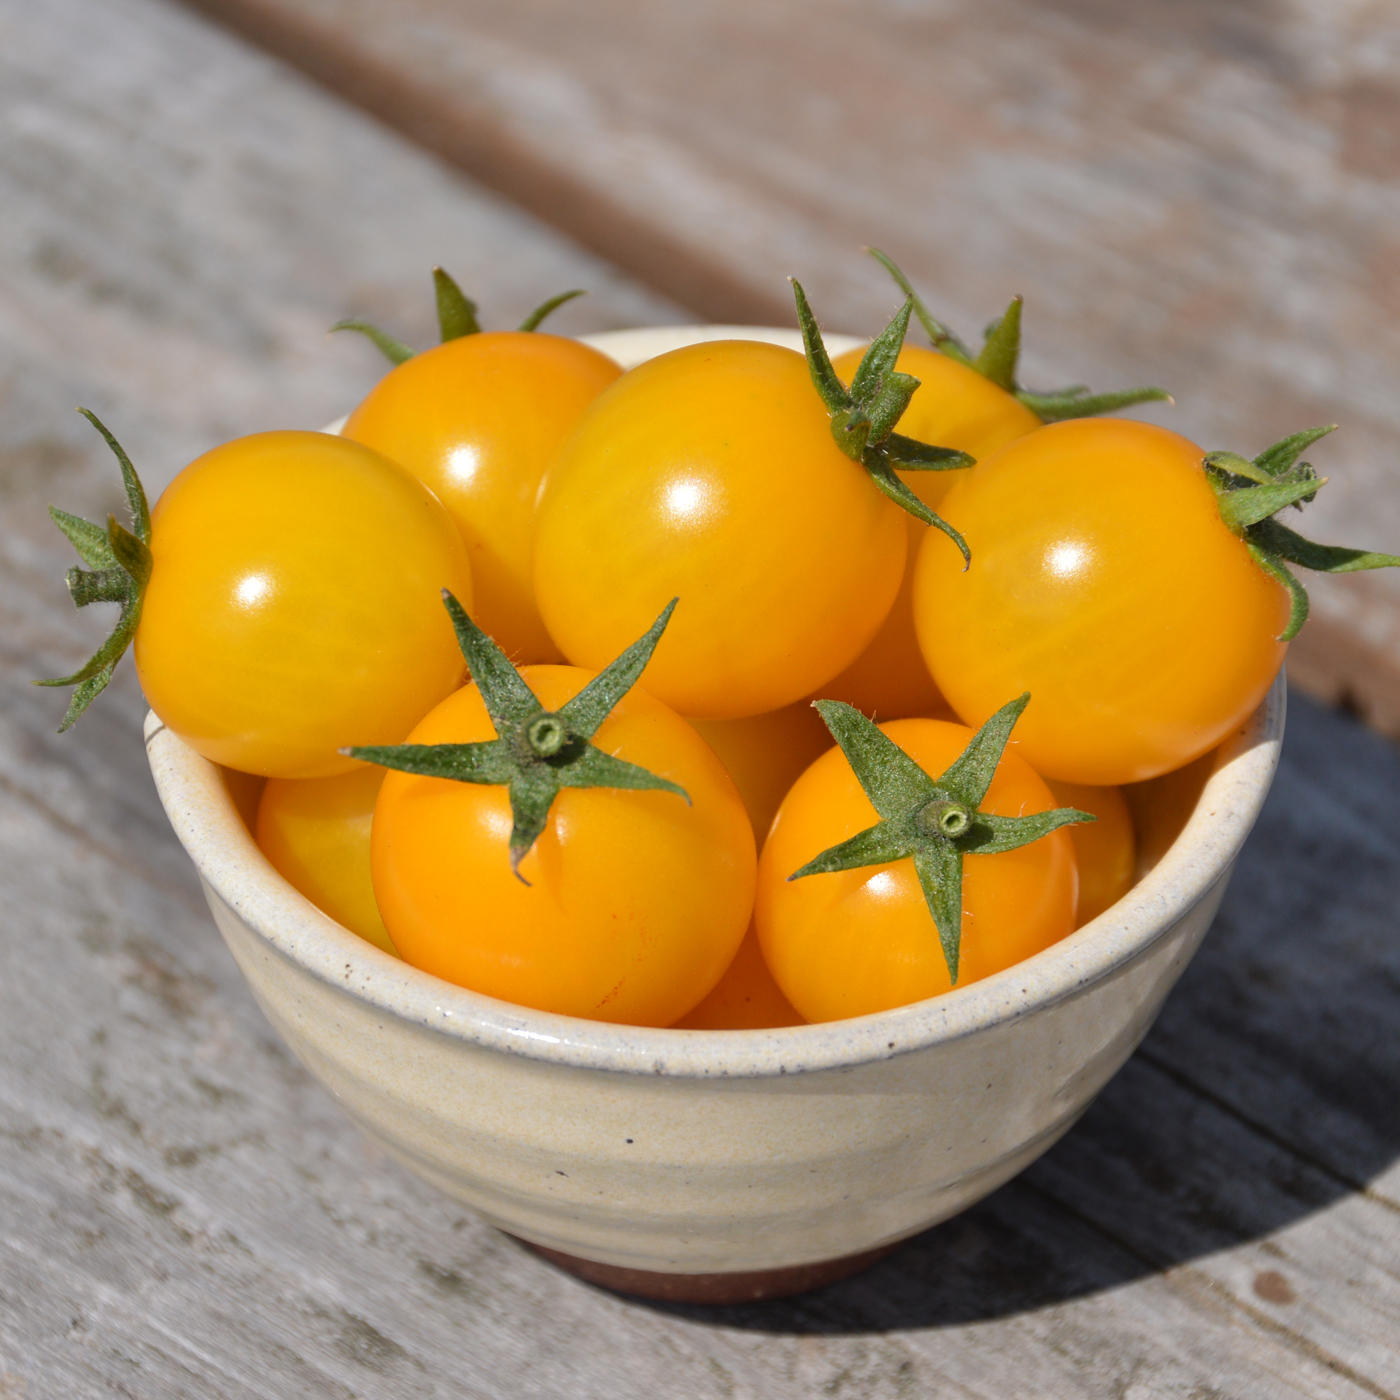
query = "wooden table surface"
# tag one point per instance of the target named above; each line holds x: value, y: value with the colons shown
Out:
x: 184, y: 1213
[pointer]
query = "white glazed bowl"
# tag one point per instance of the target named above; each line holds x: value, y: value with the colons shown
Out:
x: 735, y: 1153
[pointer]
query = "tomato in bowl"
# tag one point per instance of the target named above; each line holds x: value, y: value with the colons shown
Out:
x: 724, y: 1166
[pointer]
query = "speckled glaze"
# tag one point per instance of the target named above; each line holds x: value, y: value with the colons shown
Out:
x: 697, y: 1152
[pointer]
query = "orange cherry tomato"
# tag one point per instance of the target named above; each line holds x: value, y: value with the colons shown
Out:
x: 478, y: 419
x: 316, y: 832
x: 710, y: 473
x: 1105, y: 850
x: 295, y: 604
x: 1104, y: 582
x: 746, y: 998
x: 637, y: 901
x: 765, y: 755
x: 860, y: 941
x: 954, y: 406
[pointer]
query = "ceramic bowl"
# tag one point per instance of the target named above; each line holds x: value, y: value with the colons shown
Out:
x: 714, y: 1165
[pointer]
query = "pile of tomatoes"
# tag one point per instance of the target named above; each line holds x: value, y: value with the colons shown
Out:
x: 604, y: 815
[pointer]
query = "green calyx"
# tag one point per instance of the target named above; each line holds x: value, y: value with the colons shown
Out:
x: 456, y: 317
x: 1000, y: 354
x: 119, y: 567
x: 863, y: 417
x: 934, y: 820
x: 1249, y: 493
x: 536, y: 752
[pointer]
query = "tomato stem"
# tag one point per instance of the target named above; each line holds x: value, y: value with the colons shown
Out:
x: 546, y: 735
x: 537, y: 752
x: 1249, y: 494
x: 934, y: 821
x: 1001, y: 353
x: 456, y: 313
x: 943, y: 817
x: 940, y: 337
x: 863, y: 417
x: 532, y: 321
x: 119, y: 563
x: 395, y: 351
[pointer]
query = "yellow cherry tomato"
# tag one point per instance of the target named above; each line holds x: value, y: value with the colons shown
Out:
x: 746, y: 998
x: 636, y: 901
x: 954, y: 406
x: 1104, y: 582
x: 860, y: 941
x: 765, y: 755
x: 710, y: 473
x: 1105, y: 850
x: 315, y: 832
x: 295, y: 604
x: 478, y: 419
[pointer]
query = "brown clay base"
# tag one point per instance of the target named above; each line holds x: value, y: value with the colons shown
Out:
x: 714, y: 1288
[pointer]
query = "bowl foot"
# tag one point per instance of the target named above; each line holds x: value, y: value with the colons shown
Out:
x: 751, y: 1287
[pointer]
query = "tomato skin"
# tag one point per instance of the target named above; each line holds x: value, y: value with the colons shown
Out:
x: 860, y: 941
x: 636, y: 902
x: 295, y: 603
x: 1104, y: 582
x: 954, y: 406
x: 1104, y: 850
x: 766, y: 754
x: 746, y: 998
x: 710, y: 474
x: 478, y: 419
x: 1161, y: 808
x: 316, y: 832
x: 890, y: 679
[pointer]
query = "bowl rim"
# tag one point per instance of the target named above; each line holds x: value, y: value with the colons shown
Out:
x: 208, y: 825
x: 210, y: 828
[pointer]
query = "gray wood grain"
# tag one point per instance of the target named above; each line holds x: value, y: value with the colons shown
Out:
x: 183, y: 1213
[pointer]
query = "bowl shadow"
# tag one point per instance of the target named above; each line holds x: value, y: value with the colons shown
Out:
x: 1264, y: 1093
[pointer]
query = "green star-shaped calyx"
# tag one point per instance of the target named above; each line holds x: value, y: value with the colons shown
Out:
x: 1250, y: 492
x: 119, y: 567
x: 936, y: 821
x: 457, y: 317
x: 536, y: 752
x: 863, y: 417
x: 1001, y: 353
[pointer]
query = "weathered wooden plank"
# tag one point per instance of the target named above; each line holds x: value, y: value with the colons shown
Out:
x: 183, y: 1213
x: 1276, y: 1234
x: 1198, y: 195
x: 1289, y: 1014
